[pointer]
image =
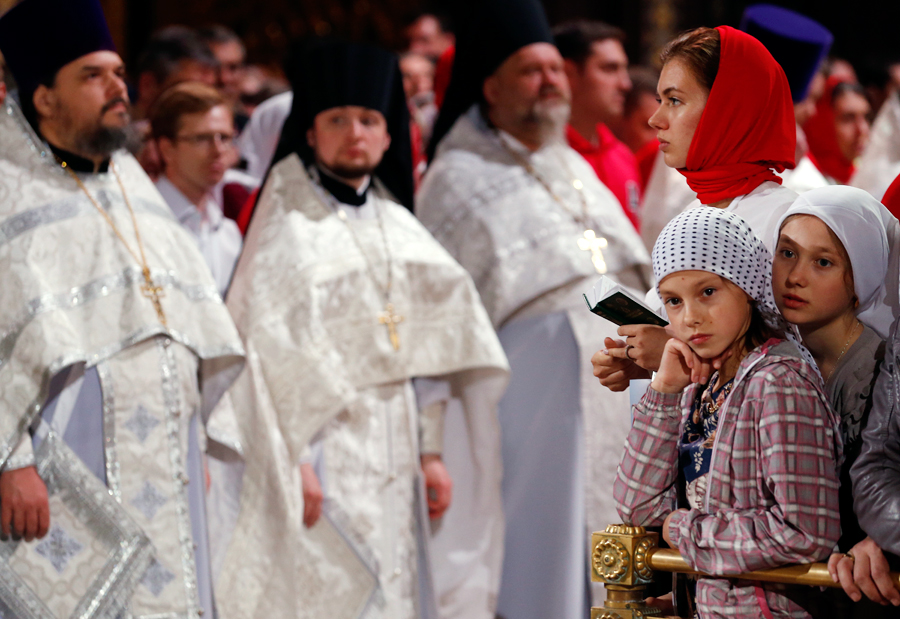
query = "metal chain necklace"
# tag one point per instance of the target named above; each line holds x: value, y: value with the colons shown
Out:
x: 388, y: 317
x: 149, y: 288
x: 847, y: 343
x: 588, y: 241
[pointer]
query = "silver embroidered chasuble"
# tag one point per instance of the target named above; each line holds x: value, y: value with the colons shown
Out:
x: 72, y: 298
x: 322, y: 369
x: 520, y: 246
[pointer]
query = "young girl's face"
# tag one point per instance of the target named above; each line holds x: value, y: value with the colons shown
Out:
x: 811, y: 274
x: 705, y: 310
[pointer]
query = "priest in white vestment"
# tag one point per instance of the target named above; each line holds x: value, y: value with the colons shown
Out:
x: 371, y: 363
x: 116, y: 344
x: 528, y: 218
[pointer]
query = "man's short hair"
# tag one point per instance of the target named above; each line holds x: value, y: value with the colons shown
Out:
x: 180, y: 99
x: 574, y: 39
x: 217, y: 34
x: 444, y: 20
x: 643, y: 81
x: 168, y: 47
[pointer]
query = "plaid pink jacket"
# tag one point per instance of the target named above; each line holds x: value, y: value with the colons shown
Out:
x: 772, y: 496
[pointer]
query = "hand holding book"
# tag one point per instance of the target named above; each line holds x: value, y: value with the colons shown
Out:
x: 609, y: 300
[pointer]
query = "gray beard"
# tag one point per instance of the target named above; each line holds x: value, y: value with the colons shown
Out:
x: 104, y: 141
x: 550, y: 120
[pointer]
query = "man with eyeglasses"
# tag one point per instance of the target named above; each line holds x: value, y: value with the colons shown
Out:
x: 193, y: 126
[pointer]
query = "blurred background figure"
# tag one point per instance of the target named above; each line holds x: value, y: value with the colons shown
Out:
x: 257, y: 85
x: 231, y: 56
x: 429, y: 35
x: 418, y: 85
x: 2, y: 80
x: 597, y: 70
x: 634, y: 129
x: 800, y: 45
x: 259, y: 139
x: 193, y: 127
x: 880, y: 161
x: 839, y: 130
x: 173, y: 55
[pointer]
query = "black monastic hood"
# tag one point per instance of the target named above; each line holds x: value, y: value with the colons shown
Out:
x: 327, y: 73
x: 489, y: 32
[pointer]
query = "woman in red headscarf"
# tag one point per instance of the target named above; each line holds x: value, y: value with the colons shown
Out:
x: 839, y: 130
x: 726, y: 122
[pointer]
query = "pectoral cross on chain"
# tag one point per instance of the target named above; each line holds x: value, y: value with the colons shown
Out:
x: 390, y: 320
x: 153, y: 292
x: 594, y: 244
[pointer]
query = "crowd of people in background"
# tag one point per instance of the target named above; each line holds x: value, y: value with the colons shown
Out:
x: 406, y: 419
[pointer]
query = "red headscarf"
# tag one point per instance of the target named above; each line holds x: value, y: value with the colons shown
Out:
x: 747, y: 127
x: 822, y: 137
x: 891, y: 198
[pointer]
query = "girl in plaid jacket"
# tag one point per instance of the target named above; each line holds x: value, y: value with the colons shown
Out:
x: 735, y: 430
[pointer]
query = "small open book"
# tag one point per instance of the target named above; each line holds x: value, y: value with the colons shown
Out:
x: 613, y: 302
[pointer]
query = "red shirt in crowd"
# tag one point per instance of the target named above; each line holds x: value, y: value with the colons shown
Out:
x: 615, y: 165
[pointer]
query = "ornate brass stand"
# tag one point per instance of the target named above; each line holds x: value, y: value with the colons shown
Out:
x: 624, y: 558
x: 620, y: 558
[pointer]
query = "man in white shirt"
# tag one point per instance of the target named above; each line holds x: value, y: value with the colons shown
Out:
x: 193, y: 126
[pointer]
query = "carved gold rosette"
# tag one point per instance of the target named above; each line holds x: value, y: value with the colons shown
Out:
x: 611, y: 559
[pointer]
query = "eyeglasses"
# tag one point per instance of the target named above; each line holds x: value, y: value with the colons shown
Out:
x: 226, y: 140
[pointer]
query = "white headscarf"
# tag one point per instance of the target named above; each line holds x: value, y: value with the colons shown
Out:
x: 871, y: 237
x: 720, y: 242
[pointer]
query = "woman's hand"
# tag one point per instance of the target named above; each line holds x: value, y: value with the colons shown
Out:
x: 644, y: 345
x: 438, y: 485
x: 24, y: 505
x: 613, y: 371
x: 312, y: 495
x: 864, y: 570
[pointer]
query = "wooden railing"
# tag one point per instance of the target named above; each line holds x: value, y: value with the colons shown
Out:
x: 625, y: 557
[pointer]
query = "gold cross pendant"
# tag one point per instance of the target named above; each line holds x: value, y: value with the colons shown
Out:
x: 390, y: 320
x: 154, y: 292
x: 594, y: 244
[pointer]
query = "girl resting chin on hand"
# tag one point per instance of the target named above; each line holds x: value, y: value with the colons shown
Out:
x: 735, y: 430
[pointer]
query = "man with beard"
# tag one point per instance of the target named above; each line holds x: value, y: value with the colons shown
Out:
x: 528, y: 218
x: 363, y: 334
x: 116, y: 344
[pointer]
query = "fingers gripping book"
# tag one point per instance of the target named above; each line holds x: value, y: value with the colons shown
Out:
x: 609, y: 300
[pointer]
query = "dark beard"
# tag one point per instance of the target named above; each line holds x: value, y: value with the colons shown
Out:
x: 104, y: 141
x: 351, y: 173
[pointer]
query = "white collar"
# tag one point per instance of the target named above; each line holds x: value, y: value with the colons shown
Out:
x: 187, y: 213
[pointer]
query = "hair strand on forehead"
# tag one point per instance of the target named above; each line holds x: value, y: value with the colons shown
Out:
x: 842, y: 251
x: 700, y: 50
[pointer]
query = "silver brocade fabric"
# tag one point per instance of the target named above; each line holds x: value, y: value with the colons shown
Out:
x: 507, y: 230
x: 306, y: 305
x: 71, y: 291
x: 520, y: 247
x: 303, y: 295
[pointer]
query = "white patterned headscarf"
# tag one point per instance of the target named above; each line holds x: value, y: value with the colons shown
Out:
x: 871, y: 238
x: 720, y: 242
